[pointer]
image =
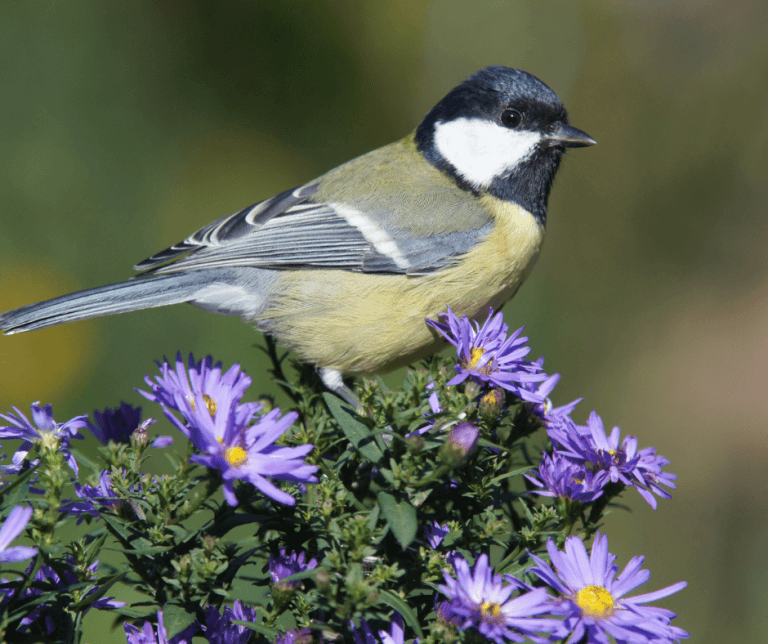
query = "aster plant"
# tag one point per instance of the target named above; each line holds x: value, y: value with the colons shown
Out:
x: 455, y: 508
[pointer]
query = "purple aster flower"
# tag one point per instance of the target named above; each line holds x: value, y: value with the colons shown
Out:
x: 545, y: 411
x: 434, y: 405
x: 613, y: 459
x: 16, y: 522
x: 649, y: 475
x: 591, y: 596
x: 445, y: 613
x: 482, y: 602
x: 606, y: 453
x: 436, y: 533
x: 147, y: 634
x: 179, y: 389
x: 451, y: 557
x: 17, y: 463
x: 434, y: 401
x: 48, y: 580
x: 287, y: 565
x: 300, y: 636
x: 487, y: 355
x: 47, y: 430
x: 396, y: 633
x: 219, y: 628
x: 161, y: 441
x: 239, y: 451
x: 568, y: 437
x: 118, y: 425
x: 115, y: 425
x: 560, y: 477
x: 95, y: 499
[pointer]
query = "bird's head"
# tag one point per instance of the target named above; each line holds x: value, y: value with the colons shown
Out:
x: 501, y: 132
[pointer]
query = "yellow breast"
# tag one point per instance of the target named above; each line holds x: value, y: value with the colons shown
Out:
x: 368, y: 323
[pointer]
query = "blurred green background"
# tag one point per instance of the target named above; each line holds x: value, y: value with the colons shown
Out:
x: 126, y: 126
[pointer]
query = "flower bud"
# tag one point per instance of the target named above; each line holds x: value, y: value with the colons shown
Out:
x: 491, y: 404
x: 267, y: 402
x: 462, y: 441
x: 471, y: 388
x: 322, y: 580
x: 209, y: 543
x: 140, y: 437
x: 414, y: 444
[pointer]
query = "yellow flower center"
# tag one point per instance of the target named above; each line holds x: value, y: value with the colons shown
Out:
x: 50, y: 441
x: 210, y: 404
x: 493, y: 397
x: 236, y: 456
x: 595, y: 601
x: 475, y: 353
x: 490, y: 611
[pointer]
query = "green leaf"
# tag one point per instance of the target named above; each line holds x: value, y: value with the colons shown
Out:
x: 103, y: 586
x: 93, y: 550
x: 298, y: 576
x: 176, y: 619
x: 83, y: 460
x: 23, y: 490
x: 401, y: 517
x: 118, y: 527
x: 264, y: 630
x: 373, y: 518
x: 129, y: 536
x: 388, y: 475
x: 517, y: 472
x: 221, y: 526
x: 394, y: 601
x: 452, y: 537
x: 356, y: 431
x: 141, y: 550
x: 180, y: 532
x: 137, y: 612
x: 482, y: 442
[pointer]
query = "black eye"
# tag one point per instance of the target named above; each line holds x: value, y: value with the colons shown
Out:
x: 511, y: 118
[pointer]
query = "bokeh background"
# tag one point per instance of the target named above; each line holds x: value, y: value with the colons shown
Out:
x: 126, y: 126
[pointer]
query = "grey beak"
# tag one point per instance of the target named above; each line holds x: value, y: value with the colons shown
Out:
x: 570, y: 137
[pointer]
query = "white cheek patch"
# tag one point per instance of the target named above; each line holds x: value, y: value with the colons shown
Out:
x: 480, y: 150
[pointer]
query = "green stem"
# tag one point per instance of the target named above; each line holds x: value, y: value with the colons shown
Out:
x: 434, y: 474
x: 77, y: 635
x: 277, y: 368
x: 213, y: 484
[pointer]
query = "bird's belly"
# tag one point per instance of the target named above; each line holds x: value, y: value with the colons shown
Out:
x: 369, y: 323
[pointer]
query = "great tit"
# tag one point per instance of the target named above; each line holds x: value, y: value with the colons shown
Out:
x: 344, y: 270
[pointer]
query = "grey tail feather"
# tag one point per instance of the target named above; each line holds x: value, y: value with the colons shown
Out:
x: 134, y: 295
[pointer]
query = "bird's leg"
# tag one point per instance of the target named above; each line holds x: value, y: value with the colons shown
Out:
x: 332, y: 380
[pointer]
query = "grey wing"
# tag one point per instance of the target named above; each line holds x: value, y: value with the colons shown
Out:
x: 291, y: 231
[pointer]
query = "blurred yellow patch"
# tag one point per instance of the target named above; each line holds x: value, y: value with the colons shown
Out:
x: 40, y: 365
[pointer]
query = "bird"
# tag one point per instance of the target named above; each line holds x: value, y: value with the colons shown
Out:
x: 344, y: 269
